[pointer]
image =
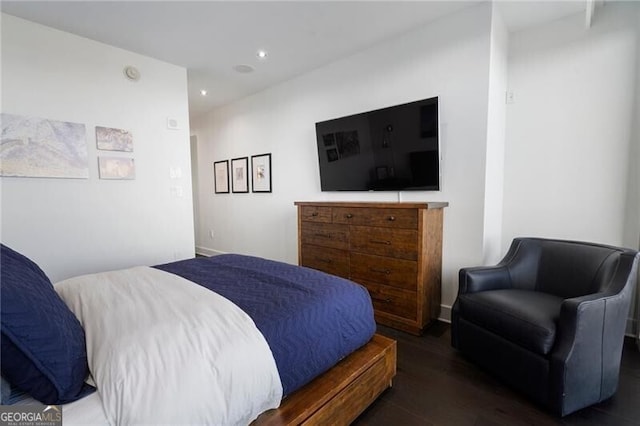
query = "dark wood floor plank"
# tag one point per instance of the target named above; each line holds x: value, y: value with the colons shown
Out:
x: 436, y: 385
x: 388, y: 413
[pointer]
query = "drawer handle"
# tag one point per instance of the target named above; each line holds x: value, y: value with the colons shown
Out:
x: 314, y: 214
x: 348, y: 215
x: 380, y: 271
x: 379, y: 299
x: 386, y: 243
x: 325, y: 260
x: 322, y: 235
x: 391, y: 218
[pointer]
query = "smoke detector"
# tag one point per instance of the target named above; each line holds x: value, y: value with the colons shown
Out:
x: 131, y: 73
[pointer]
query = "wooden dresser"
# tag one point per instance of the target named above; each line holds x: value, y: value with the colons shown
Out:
x: 393, y: 249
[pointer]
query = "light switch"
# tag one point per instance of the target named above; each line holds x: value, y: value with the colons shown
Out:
x: 176, y: 191
x: 510, y: 97
x: 175, y: 172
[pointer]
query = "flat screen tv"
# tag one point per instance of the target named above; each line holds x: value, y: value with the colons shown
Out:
x: 389, y: 149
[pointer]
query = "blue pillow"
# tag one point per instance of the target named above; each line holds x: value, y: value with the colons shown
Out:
x: 43, y: 348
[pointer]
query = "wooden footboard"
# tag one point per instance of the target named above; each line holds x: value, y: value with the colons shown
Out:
x: 342, y: 393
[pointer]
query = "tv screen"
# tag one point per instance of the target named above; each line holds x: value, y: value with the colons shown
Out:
x: 389, y: 149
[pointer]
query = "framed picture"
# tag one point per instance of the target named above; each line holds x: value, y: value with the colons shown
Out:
x: 221, y: 176
x: 240, y: 174
x: 261, y: 173
x: 109, y: 139
x: 39, y: 147
x: 120, y: 168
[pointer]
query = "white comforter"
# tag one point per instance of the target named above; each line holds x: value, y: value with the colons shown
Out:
x: 163, y: 350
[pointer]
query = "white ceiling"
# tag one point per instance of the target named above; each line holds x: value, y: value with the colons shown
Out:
x: 209, y: 38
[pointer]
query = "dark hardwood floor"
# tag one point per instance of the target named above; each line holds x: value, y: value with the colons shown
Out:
x: 435, y: 385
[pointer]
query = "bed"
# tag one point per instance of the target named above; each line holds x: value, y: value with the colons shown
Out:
x: 292, y: 345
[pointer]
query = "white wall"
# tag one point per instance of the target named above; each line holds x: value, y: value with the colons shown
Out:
x: 494, y: 183
x: 448, y: 58
x: 633, y: 191
x: 77, y: 226
x: 632, y: 220
x: 570, y: 131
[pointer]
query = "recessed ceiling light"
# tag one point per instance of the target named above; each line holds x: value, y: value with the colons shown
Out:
x: 203, y: 92
x: 243, y: 69
x: 262, y: 54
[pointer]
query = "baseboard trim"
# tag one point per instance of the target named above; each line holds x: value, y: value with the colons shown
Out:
x: 445, y: 314
x: 205, y: 251
x: 631, y: 330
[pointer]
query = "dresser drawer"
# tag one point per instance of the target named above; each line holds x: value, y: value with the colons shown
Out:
x: 385, y: 270
x: 388, y: 218
x: 400, y: 243
x: 325, y: 235
x: 392, y: 300
x: 331, y: 261
x: 315, y: 214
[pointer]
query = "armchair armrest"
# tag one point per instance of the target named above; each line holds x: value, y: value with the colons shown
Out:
x: 483, y: 278
x: 585, y: 361
x: 586, y: 357
x: 472, y: 280
x: 576, y: 360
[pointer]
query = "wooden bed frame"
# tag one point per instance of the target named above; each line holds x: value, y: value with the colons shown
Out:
x: 342, y: 393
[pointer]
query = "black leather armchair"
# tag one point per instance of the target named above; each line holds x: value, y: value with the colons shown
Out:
x: 549, y: 319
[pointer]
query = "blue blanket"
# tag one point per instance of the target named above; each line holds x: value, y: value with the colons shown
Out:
x: 310, y: 319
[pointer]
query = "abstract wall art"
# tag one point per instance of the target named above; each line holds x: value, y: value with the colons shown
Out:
x: 39, y: 147
x: 221, y: 176
x: 240, y: 175
x: 109, y: 139
x: 116, y: 168
x: 261, y: 173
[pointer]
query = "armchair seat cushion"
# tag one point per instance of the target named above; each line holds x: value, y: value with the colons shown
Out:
x: 527, y: 318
